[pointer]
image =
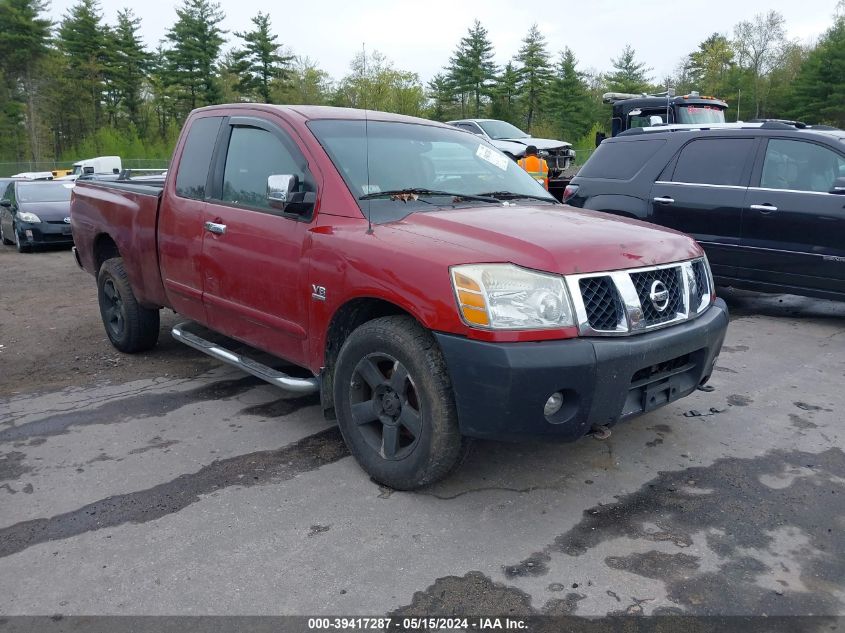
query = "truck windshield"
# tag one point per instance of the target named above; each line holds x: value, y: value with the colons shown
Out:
x: 700, y: 114
x: 405, y: 156
x: 501, y: 129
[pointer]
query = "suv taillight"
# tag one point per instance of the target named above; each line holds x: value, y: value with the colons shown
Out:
x: 570, y: 191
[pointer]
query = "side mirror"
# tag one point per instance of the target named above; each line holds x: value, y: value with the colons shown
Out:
x: 5, y: 203
x: 281, y: 189
x: 282, y: 194
x: 600, y: 136
x: 838, y: 186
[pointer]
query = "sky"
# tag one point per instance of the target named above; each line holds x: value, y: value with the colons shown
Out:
x: 421, y: 35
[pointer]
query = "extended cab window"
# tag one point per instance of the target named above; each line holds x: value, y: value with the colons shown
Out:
x: 196, y: 157
x: 714, y: 161
x: 620, y: 160
x: 800, y: 166
x: 254, y: 155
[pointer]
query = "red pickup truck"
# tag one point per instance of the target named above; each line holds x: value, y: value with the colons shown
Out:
x: 429, y: 288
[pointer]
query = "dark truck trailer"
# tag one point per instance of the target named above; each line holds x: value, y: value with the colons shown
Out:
x: 633, y: 111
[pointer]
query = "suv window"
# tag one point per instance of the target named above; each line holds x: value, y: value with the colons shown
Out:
x: 196, y: 157
x: 713, y: 161
x: 470, y: 127
x: 253, y: 155
x: 620, y: 160
x: 800, y: 166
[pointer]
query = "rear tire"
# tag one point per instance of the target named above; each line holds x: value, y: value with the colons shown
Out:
x: 395, y: 405
x: 130, y: 327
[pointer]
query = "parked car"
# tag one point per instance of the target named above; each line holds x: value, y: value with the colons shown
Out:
x: 432, y: 292
x: 512, y: 141
x: 765, y: 200
x: 35, y: 213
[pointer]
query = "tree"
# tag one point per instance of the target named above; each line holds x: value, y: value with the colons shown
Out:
x: 504, y: 103
x: 442, y: 93
x: 759, y: 45
x: 472, y: 69
x: 306, y: 83
x: 259, y: 63
x: 628, y: 74
x: 534, y: 72
x: 711, y: 65
x: 569, y: 101
x: 195, y: 41
x: 24, y: 36
x: 820, y: 84
x: 374, y: 84
x: 127, y: 66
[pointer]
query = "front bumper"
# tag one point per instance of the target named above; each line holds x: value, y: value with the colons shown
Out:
x: 501, y: 388
x: 44, y: 233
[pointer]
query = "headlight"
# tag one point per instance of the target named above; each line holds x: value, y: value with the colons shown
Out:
x: 26, y: 216
x: 506, y: 297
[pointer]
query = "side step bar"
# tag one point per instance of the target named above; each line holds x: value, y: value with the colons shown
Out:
x: 259, y: 370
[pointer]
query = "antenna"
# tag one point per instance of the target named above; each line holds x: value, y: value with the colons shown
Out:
x: 366, y: 138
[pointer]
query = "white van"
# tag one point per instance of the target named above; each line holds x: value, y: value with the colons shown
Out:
x: 98, y: 165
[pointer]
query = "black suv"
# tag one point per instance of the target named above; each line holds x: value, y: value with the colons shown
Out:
x: 765, y: 200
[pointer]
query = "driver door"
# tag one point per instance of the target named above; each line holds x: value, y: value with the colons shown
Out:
x: 256, y: 284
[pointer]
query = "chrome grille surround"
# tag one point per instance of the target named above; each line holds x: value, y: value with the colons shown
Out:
x: 634, y: 319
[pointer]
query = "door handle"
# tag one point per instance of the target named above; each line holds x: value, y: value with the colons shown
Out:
x: 664, y: 200
x: 765, y: 208
x: 214, y: 227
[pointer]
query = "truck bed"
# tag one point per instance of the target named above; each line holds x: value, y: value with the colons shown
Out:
x: 126, y: 213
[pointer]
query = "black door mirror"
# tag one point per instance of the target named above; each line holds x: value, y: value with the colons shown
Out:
x: 6, y: 203
x: 838, y: 185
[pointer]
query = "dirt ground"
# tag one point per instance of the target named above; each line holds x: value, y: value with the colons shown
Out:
x: 51, y: 331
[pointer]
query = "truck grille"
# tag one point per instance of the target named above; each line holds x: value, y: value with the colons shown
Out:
x: 668, y: 278
x: 604, y: 307
x: 558, y: 160
x: 628, y: 301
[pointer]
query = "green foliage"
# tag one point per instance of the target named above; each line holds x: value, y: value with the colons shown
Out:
x: 569, y: 103
x: 374, y: 84
x: 504, y: 103
x: 472, y: 70
x: 819, y: 88
x: 189, y: 63
x: 628, y: 74
x: 534, y: 73
x: 306, y: 83
x: 258, y: 64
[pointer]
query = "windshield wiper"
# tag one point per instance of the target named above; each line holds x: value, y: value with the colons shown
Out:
x: 418, y: 191
x: 511, y: 195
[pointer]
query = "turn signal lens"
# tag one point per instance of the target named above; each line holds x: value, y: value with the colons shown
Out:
x: 471, y: 301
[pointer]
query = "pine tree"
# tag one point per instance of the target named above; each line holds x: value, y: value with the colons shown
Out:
x: 820, y: 85
x: 441, y: 92
x: 534, y: 72
x: 259, y: 63
x: 128, y: 65
x: 83, y: 41
x: 628, y: 74
x: 569, y: 101
x: 504, y: 103
x: 472, y: 69
x: 24, y: 37
x: 195, y: 41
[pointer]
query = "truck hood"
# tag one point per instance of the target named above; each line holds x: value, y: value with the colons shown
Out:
x: 560, y: 239
x: 518, y: 145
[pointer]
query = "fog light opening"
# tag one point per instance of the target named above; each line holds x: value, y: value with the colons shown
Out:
x: 553, y: 404
x: 28, y: 234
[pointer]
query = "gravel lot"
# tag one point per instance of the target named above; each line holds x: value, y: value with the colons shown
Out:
x: 165, y: 483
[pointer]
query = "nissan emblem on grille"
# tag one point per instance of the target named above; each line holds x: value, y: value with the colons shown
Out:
x: 659, y: 295
x: 67, y: 220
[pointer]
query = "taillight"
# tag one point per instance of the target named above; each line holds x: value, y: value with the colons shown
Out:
x: 570, y: 191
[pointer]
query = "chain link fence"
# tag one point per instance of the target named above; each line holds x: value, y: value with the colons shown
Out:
x: 10, y: 169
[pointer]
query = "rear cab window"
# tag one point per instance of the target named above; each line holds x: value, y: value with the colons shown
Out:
x: 192, y: 176
x: 620, y: 160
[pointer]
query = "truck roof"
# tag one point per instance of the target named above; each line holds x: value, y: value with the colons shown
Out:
x: 315, y: 112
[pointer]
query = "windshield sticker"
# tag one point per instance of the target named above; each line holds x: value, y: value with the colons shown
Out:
x: 493, y: 157
x: 368, y: 189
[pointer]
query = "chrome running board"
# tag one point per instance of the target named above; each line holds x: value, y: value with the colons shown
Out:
x: 259, y: 370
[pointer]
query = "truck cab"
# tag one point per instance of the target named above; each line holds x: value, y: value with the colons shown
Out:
x: 633, y: 111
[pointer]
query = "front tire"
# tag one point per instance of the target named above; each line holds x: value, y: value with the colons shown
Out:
x: 130, y: 327
x: 395, y: 405
x: 22, y: 247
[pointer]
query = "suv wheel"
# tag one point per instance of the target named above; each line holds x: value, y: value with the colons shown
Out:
x: 130, y: 327
x: 21, y: 246
x: 394, y: 403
